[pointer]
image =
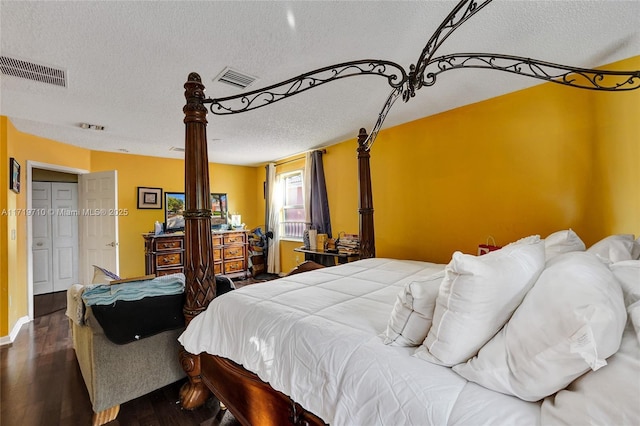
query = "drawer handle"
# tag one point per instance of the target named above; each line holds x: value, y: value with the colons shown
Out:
x: 166, y: 245
x: 167, y: 259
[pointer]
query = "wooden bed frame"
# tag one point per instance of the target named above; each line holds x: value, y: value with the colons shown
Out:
x: 249, y: 399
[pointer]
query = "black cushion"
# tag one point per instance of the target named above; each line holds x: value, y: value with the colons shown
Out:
x: 223, y: 285
x: 128, y: 321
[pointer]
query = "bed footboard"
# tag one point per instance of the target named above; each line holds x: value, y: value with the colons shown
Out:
x: 250, y: 400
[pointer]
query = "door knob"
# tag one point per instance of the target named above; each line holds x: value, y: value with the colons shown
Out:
x: 112, y: 244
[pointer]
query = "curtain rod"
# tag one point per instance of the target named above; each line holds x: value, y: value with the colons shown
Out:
x: 324, y: 151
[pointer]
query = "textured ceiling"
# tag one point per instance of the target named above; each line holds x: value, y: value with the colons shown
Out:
x: 126, y: 64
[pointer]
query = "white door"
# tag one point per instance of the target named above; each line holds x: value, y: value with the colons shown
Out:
x: 98, y: 204
x: 55, y: 236
x: 41, y: 238
x: 64, y: 224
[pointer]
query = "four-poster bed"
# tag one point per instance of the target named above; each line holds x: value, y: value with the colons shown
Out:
x: 249, y: 398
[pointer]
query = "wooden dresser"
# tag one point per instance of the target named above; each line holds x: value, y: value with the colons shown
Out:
x: 164, y: 254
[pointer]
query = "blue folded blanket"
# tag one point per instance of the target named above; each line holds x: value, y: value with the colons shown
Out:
x: 104, y: 294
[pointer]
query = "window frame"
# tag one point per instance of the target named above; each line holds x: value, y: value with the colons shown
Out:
x: 283, y: 178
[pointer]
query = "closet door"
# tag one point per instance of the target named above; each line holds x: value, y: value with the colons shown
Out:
x: 64, y: 225
x: 55, y: 236
x: 42, y: 238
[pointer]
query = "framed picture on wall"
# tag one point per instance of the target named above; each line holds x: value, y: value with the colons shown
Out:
x: 14, y: 175
x: 149, y: 198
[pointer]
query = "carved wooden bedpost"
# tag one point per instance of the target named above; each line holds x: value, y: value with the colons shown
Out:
x: 367, y: 237
x: 200, y: 280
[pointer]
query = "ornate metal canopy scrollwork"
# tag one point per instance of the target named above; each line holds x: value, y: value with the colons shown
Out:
x: 562, y: 74
x: 394, y: 73
x: 424, y: 73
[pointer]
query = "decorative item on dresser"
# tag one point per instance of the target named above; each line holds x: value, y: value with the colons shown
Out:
x: 164, y: 254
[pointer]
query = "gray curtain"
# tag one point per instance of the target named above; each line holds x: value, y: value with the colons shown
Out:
x: 320, y: 219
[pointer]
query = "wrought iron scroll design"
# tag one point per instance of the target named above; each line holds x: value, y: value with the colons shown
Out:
x: 556, y: 73
x: 393, y: 96
x: 394, y: 73
x: 464, y: 10
x: 425, y: 72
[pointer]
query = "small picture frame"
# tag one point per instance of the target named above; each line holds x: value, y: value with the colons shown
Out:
x: 149, y: 198
x: 14, y: 175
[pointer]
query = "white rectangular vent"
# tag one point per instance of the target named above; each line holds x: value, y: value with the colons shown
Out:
x: 33, y: 71
x: 177, y: 149
x: 235, y: 78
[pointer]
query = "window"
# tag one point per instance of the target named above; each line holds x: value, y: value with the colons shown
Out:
x: 292, y: 218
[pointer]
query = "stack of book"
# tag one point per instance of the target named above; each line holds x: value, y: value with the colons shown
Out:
x: 348, y: 244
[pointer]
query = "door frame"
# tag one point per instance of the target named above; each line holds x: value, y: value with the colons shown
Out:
x: 56, y: 168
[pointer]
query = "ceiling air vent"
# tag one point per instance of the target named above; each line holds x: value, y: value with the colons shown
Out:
x: 235, y: 78
x: 33, y: 71
x: 176, y: 149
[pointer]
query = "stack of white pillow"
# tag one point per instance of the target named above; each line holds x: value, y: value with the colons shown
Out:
x: 530, y: 319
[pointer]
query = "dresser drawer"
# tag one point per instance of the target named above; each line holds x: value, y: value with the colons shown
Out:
x: 234, y: 237
x: 165, y: 254
x: 233, y: 252
x: 169, y: 259
x: 161, y: 272
x: 168, y: 244
x: 217, y: 254
x: 234, y: 266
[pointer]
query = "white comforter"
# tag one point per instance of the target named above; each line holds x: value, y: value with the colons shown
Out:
x: 315, y: 337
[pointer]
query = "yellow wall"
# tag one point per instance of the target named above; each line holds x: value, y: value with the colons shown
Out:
x: 24, y: 147
x: 237, y: 182
x: 4, y: 226
x: 531, y: 162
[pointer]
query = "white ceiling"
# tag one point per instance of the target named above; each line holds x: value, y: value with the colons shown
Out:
x: 127, y: 61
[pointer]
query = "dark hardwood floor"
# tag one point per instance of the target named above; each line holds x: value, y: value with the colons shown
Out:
x: 44, y: 304
x: 41, y: 384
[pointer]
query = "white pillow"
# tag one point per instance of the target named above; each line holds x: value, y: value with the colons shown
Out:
x: 562, y: 242
x: 635, y: 254
x: 570, y: 321
x: 103, y: 276
x: 614, y: 248
x: 476, y: 298
x: 609, y: 396
x: 627, y: 273
x: 413, y: 311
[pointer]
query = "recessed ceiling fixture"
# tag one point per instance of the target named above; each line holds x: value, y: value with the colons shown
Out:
x: 235, y: 78
x: 88, y: 126
x: 176, y: 148
x: 33, y: 71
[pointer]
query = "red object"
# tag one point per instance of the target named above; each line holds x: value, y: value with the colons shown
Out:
x: 489, y: 246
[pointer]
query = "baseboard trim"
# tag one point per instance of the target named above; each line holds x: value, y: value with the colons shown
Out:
x: 7, y: 340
